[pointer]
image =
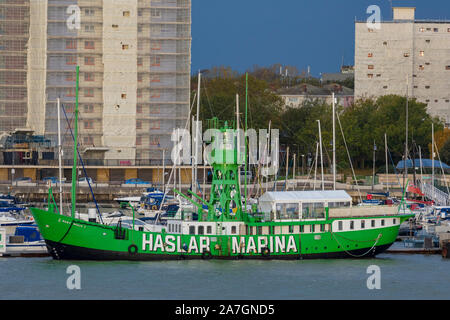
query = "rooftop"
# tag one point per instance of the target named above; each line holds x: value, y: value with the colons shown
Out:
x: 309, y: 89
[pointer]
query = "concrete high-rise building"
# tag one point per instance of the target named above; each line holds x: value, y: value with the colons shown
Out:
x: 134, y: 58
x: 14, y: 34
x: 405, y: 56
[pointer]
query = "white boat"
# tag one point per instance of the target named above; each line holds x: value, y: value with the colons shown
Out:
x: 26, y: 241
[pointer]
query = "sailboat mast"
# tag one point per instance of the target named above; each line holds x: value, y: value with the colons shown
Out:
x: 405, y: 167
x: 75, y: 146
x: 245, y: 140
x: 321, y: 155
x: 334, y: 142
x: 432, y: 157
x: 59, y: 159
x: 194, y: 183
x: 387, y: 165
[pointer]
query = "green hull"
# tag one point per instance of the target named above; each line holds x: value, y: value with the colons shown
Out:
x: 74, y: 239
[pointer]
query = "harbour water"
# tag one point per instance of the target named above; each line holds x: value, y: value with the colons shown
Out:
x: 402, y: 276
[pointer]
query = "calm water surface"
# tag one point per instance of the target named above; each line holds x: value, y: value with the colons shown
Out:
x: 402, y: 277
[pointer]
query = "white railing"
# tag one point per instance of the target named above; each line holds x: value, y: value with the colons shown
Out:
x: 439, y: 197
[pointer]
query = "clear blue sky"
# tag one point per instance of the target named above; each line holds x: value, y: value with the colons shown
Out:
x: 318, y: 33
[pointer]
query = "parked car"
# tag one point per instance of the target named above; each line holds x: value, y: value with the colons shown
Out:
x: 23, y: 181
x: 136, y: 181
x: 85, y: 180
x: 51, y: 179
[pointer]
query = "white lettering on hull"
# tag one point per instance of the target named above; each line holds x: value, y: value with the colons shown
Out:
x: 239, y: 245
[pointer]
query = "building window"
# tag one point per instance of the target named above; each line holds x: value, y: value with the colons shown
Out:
x: 115, y: 26
x: 126, y: 13
x: 201, y: 229
x: 156, y: 13
x: 370, y: 30
x: 89, y: 61
x: 372, y: 223
x: 89, y: 12
x: 385, y: 87
x: 71, y: 44
x: 406, y: 55
x: 88, y: 141
x: 89, y: 108
x: 154, y: 141
x: 89, y: 92
x: 378, y: 75
x: 447, y: 67
x: 155, y: 61
x: 363, y: 224
x: 421, y: 67
x: 370, y: 55
x: 155, y: 110
x: 139, y: 93
x: 154, y: 124
x: 88, y: 76
x: 352, y: 225
x: 422, y: 29
x: 138, y: 124
x: 155, y: 94
x: 89, y: 45
x: 139, y: 62
x: 70, y: 77
x: 156, y: 45
x: 385, y: 43
x: 370, y: 66
x: 71, y: 60
x: 89, y: 28
x: 427, y: 41
x: 125, y: 47
x: 138, y: 109
x: 340, y: 225
x: 208, y: 229
x: 421, y: 53
x: 88, y: 124
x: 123, y: 95
x: 70, y: 92
x: 448, y: 29
x: 436, y: 29
x: 427, y: 87
x: 370, y: 75
x: 382, y: 222
x: 155, y: 78
x: 140, y: 13
x: 233, y: 230
x: 191, y: 229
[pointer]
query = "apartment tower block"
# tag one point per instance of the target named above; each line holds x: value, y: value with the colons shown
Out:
x: 134, y: 58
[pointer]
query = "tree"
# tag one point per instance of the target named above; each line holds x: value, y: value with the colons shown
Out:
x: 445, y: 152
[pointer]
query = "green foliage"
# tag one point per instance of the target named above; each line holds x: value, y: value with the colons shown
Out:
x: 218, y: 99
x: 445, y: 152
